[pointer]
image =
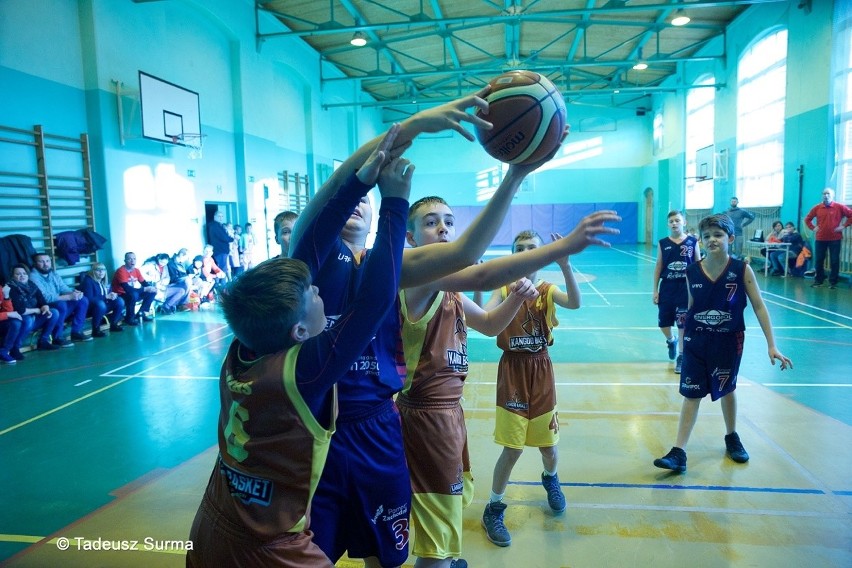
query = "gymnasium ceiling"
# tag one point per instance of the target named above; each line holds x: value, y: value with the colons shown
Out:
x: 432, y: 51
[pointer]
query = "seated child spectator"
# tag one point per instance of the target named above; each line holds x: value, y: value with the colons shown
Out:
x: 102, y: 300
x: 31, y: 304
x: 780, y: 257
x: 212, y: 272
x: 199, y: 286
x: 169, y: 294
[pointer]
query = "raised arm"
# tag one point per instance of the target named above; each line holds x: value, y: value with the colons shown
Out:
x: 495, y: 273
x: 425, y: 264
x: 571, y: 297
x: 449, y: 116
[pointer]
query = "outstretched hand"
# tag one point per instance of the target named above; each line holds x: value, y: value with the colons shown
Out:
x: 369, y: 172
x: 588, y: 230
x: 395, y: 178
x: 785, y: 361
x: 451, y: 115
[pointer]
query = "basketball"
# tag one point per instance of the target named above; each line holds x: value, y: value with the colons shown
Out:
x: 528, y: 114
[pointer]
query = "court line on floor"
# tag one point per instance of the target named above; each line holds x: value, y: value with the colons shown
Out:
x: 809, y: 306
x: 668, y: 486
x: 105, y: 388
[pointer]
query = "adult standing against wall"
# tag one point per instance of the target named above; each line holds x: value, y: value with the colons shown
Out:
x: 219, y: 239
x: 741, y: 218
x: 831, y: 218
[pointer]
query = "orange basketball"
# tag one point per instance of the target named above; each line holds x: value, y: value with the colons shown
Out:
x: 528, y: 114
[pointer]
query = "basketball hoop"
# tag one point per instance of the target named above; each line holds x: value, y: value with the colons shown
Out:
x: 194, y: 142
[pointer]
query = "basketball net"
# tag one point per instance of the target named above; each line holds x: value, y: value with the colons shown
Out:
x: 193, y: 142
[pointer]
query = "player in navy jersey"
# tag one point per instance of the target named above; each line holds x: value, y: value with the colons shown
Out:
x: 674, y: 254
x: 719, y: 288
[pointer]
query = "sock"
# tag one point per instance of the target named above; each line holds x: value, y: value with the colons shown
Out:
x: 497, y: 497
x: 549, y: 473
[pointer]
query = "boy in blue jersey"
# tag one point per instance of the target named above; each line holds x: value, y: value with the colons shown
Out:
x: 278, y: 401
x: 674, y: 254
x: 719, y: 288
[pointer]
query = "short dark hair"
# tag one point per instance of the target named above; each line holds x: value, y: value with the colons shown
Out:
x: 422, y: 202
x: 263, y: 304
x: 674, y: 212
x: 281, y: 217
x: 717, y: 220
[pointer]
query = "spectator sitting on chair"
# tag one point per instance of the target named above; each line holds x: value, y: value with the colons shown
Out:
x: 14, y: 328
x: 129, y: 283
x: 199, y: 285
x: 830, y: 223
x: 102, y: 300
x: 178, y: 274
x: 780, y: 257
x: 169, y: 294
x: 210, y: 271
x: 31, y: 304
x: 67, y: 301
x: 219, y: 239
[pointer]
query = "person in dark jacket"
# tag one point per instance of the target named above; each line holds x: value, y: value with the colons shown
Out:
x: 28, y: 301
x: 219, y: 239
x: 102, y: 300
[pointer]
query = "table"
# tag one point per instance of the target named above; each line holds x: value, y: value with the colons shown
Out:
x: 769, y: 248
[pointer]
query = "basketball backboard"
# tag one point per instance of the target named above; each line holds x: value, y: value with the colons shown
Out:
x: 705, y: 163
x: 169, y: 112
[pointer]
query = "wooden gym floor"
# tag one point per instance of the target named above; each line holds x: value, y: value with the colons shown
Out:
x: 114, y: 440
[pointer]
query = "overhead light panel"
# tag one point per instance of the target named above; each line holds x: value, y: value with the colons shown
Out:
x: 641, y: 66
x: 358, y: 39
x: 680, y: 18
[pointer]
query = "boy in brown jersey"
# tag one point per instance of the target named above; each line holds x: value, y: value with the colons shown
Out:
x: 526, y: 388
x: 435, y: 313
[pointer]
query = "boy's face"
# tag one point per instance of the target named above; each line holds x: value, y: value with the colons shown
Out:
x: 361, y: 218
x: 433, y: 223
x: 716, y: 241
x: 314, y: 318
x: 675, y: 224
x: 285, y: 230
x: 526, y: 244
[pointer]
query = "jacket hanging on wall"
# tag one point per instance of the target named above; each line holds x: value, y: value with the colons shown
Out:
x: 71, y: 244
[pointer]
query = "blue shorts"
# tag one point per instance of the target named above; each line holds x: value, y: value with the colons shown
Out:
x: 363, y: 500
x: 711, y: 363
x: 672, y: 305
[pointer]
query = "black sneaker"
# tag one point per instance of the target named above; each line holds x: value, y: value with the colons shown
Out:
x: 98, y: 333
x: 734, y: 448
x: 146, y: 317
x: 675, y: 460
x: 62, y: 342
x: 492, y: 522
x: 80, y: 336
x: 116, y: 328
x: 47, y: 346
x: 816, y: 285
x: 16, y: 353
x: 131, y: 322
x: 672, y: 345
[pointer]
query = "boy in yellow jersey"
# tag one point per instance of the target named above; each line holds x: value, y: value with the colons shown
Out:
x: 435, y: 319
x: 277, y: 384
x: 526, y: 388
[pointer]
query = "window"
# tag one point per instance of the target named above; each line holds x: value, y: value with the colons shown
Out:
x: 761, y: 94
x: 700, y: 124
x: 842, y: 94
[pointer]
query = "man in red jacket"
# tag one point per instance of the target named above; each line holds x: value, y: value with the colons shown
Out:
x: 831, y: 218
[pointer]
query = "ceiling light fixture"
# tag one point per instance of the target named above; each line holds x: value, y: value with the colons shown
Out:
x: 680, y: 18
x: 641, y: 66
x: 358, y: 39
